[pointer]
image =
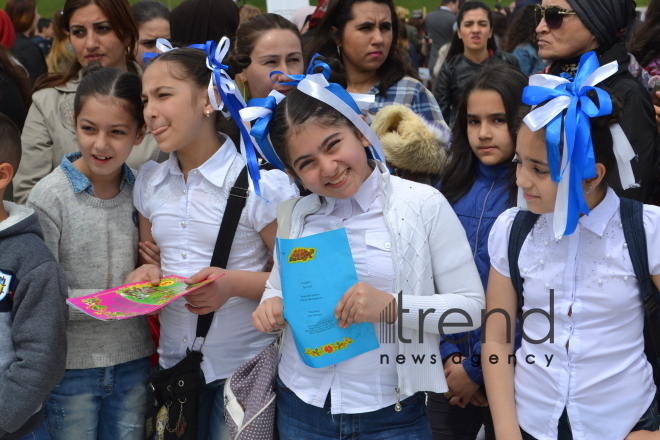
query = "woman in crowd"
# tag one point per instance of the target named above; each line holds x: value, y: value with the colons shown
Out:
x: 569, y: 28
x: 520, y: 41
x: 153, y: 21
x: 472, y: 47
x: 24, y: 17
x: 99, y: 30
x: 246, y: 12
x: 266, y: 43
x: 364, y: 36
x: 645, y: 46
x: 61, y: 53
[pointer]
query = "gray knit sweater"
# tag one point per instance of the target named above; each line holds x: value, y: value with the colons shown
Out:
x: 95, y: 242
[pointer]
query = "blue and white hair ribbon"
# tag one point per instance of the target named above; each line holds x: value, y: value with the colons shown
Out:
x: 317, y: 86
x: 262, y: 110
x: 231, y: 100
x: 567, y: 102
x: 163, y: 45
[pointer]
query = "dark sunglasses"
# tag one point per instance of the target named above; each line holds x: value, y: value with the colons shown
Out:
x: 554, y: 15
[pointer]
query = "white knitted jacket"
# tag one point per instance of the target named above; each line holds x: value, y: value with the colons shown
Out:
x: 434, y: 270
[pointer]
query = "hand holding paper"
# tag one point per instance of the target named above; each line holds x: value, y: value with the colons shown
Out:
x: 362, y: 303
x: 212, y: 296
x: 145, y: 273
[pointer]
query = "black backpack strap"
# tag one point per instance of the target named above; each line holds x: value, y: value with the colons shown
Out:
x: 632, y: 220
x: 235, y: 203
x: 520, y: 229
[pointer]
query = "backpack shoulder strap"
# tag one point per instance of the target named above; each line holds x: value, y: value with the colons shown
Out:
x: 522, y: 225
x: 284, y: 213
x: 632, y: 220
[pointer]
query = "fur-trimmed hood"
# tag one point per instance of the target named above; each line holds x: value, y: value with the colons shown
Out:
x: 410, y: 141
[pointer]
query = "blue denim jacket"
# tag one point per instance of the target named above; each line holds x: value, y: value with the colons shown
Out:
x: 80, y: 182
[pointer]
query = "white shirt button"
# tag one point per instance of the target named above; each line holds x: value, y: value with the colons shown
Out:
x: 608, y: 256
x: 524, y: 270
x: 625, y: 245
x: 194, y: 171
x: 184, y: 190
x: 185, y: 340
x: 547, y: 286
x: 388, y: 245
x: 183, y: 223
x: 625, y: 278
x: 546, y: 243
x: 338, y: 225
x: 541, y: 261
x: 600, y: 281
x: 184, y: 255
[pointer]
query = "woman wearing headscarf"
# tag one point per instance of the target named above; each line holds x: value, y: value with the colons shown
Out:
x: 198, y: 21
x: 569, y: 28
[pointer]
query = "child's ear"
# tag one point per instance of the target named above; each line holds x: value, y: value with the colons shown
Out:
x: 6, y: 174
x: 601, y: 171
x: 208, y: 107
x: 140, y: 135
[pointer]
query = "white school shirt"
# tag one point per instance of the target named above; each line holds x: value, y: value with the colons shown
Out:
x: 603, y: 378
x: 360, y: 384
x: 185, y: 218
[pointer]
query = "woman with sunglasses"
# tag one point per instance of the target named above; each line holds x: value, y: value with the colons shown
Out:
x: 472, y: 47
x: 566, y: 30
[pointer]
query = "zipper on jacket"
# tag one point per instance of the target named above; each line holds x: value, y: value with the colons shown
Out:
x: 481, y: 217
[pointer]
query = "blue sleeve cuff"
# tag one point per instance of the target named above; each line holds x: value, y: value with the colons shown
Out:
x: 447, y: 348
x: 476, y: 373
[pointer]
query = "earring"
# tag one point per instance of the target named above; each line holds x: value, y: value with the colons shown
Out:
x: 245, y: 86
x: 208, y: 114
x: 589, y: 189
x: 127, y: 51
x: 338, y: 51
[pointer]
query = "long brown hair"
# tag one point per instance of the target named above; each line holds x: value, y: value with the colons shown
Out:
x: 645, y: 44
x: 522, y: 30
x: 121, y: 20
x: 339, y: 13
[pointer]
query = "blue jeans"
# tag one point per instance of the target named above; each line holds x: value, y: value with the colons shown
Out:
x: 299, y: 420
x: 100, y: 403
x: 41, y: 433
x: 650, y: 421
x: 211, y: 423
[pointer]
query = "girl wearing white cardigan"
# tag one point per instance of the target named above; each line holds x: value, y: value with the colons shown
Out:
x: 409, y: 250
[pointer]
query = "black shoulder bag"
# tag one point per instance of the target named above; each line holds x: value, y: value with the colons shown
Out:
x: 175, y: 390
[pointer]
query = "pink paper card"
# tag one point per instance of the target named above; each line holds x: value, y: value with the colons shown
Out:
x: 134, y: 299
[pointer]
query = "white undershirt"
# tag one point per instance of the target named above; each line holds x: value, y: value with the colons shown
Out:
x: 361, y: 384
x: 598, y: 372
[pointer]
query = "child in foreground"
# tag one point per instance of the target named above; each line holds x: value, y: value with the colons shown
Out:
x: 399, y: 233
x: 33, y: 309
x: 86, y: 210
x: 595, y: 381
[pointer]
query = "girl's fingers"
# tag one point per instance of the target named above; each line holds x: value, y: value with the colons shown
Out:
x: 342, y: 303
x: 347, y: 311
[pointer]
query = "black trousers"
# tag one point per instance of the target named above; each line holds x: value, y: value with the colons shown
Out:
x: 451, y: 422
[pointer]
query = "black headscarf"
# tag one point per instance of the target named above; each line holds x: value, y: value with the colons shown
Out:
x: 605, y: 18
x: 197, y: 21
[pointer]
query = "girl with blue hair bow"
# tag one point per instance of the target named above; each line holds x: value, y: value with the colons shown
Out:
x: 581, y: 371
x: 410, y: 253
x: 181, y: 204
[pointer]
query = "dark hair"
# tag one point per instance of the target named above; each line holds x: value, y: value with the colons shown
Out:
x: 188, y: 64
x: 198, y: 21
x: 339, y: 13
x: 43, y: 23
x: 601, y: 135
x: 457, y: 47
x: 9, y: 68
x: 249, y: 33
x: 99, y: 81
x: 147, y: 10
x: 22, y: 13
x: 10, y: 143
x: 292, y: 115
x: 121, y: 21
x: 645, y: 44
x: 500, y: 24
x: 460, y: 172
x: 522, y: 29
x: 446, y: 2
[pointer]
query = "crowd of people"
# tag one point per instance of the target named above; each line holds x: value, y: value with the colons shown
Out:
x: 488, y: 166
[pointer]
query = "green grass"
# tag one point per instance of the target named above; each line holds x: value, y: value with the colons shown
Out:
x: 48, y: 7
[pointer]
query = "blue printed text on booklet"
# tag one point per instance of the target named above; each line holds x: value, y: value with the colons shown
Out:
x: 316, y: 271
